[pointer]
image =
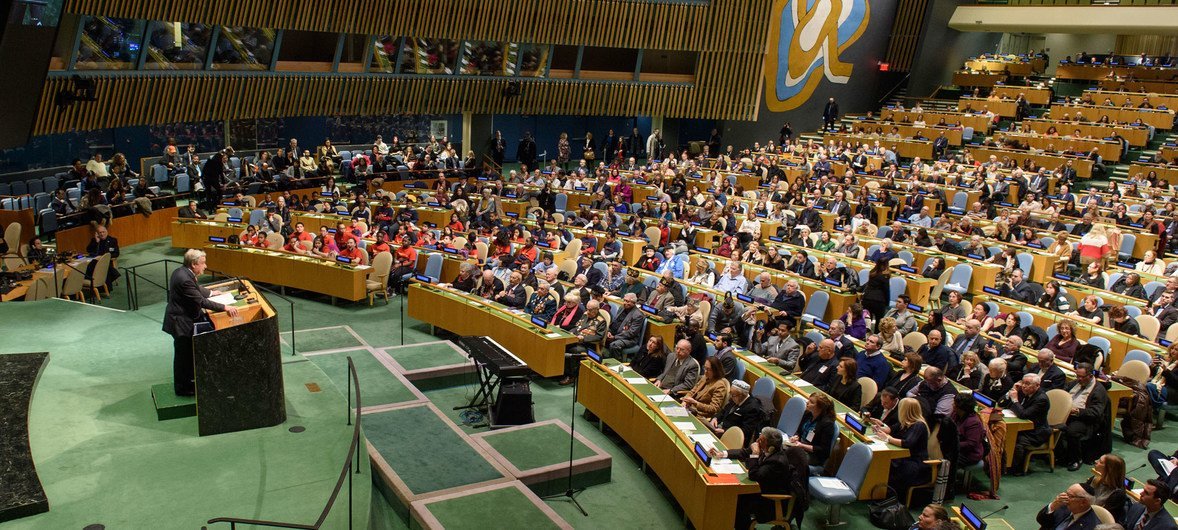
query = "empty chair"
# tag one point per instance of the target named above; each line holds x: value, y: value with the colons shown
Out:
x: 897, y: 285
x: 257, y: 217
x: 1135, y: 370
x: 906, y: 256
x: 1147, y: 324
x: 34, y: 186
x: 40, y: 289
x: 1138, y: 355
x: 870, y: 388
x: 159, y: 174
x: 850, y: 477
x: 763, y: 389
x: 433, y: 266
x: 959, y: 201
x: 915, y: 340
x: 883, y: 231
x: 959, y: 280
x: 48, y: 221
x: 50, y: 183
x: 1100, y: 342
x: 791, y: 414
x: 733, y: 438
x: 1024, y: 262
x: 236, y: 212
x: 1025, y: 319
x: 73, y: 285
x: 20, y: 188
x: 816, y: 307
x: 98, y: 278
x: 1112, y: 279
x: 377, y: 282
x: 182, y: 183
x: 1128, y: 241
x: 561, y: 202
x: 41, y: 201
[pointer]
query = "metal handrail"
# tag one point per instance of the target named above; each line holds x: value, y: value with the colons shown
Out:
x: 346, y: 472
x: 894, y: 89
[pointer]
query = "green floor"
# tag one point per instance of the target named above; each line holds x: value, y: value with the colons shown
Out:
x: 427, y: 356
x: 92, y: 346
x: 377, y: 385
x: 536, y: 447
x: 426, y: 453
x: 509, y: 506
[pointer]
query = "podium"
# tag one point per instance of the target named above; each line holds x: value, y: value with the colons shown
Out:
x: 239, y: 366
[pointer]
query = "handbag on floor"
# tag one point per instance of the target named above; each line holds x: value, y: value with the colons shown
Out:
x: 890, y: 513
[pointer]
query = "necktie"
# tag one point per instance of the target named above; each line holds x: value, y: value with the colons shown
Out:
x: 1141, y: 523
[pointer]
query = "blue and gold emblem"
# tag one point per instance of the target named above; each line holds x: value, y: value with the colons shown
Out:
x: 805, y: 36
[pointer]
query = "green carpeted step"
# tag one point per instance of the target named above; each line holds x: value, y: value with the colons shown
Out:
x: 424, y: 356
x: 503, y: 507
x: 424, y: 451
x: 169, y: 406
x: 322, y: 339
x: 536, y: 446
x: 378, y: 385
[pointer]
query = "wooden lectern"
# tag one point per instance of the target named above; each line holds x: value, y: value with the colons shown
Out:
x: 239, y: 366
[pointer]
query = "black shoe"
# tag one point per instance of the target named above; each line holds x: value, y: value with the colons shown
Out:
x: 566, y: 381
x: 1074, y: 466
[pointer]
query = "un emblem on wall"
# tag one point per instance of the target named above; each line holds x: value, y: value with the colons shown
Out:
x: 806, y: 35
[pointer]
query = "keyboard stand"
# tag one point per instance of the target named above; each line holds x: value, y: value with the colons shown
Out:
x: 484, y: 399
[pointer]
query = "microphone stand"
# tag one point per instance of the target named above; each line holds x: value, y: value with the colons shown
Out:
x: 570, y: 493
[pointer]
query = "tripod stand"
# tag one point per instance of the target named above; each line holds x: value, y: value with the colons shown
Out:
x: 570, y: 493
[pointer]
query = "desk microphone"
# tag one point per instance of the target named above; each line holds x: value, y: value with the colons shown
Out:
x: 1136, y: 468
x: 987, y: 516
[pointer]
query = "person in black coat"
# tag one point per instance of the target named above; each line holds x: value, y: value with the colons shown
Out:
x: 742, y: 411
x: 525, y: 154
x: 1151, y: 508
x: 1027, y: 401
x: 210, y: 176
x: 187, y: 302
x: 768, y: 466
x: 103, y: 243
x: 877, y: 290
x: 818, y: 364
x: 1050, y: 375
x: 816, y: 432
x: 830, y: 114
x: 1085, y: 422
x: 912, y: 435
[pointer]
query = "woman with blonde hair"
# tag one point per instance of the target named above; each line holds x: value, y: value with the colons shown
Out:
x: 710, y: 393
x: 890, y: 338
x: 1108, y: 485
x: 1094, y: 246
x: 1062, y: 249
x: 912, y: 435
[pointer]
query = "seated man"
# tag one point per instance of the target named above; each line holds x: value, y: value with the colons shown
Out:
x: 102, y: 243
x: 1071, y: 510
x: 790, y: 303
x: 1087, y: 419
x: 935, y: 394
x: 514, y: 295
x: 1027, y: 401
x: 819, y: 364
x: 742, y: 411
x: 934, y: 353
x: 1050, y: 375
x: 872, y: 363
x: 777, y: 346
x: 626, y: 328
x: 733, y: 280
x: 681, y: 371
x: 1149, y: 512
x: 972, y: 340
x: 724, y: 352
x: 542, y: 303
x: 885, y: 410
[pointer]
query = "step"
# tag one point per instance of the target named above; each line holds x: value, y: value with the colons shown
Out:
x: 509, y: 505
x: 537, y: 454
x: 169, y: 406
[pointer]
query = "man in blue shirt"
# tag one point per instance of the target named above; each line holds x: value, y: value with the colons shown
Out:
x: 733, y: 280
x: 872, y: 363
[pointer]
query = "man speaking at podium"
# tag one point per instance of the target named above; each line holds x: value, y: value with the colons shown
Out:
x: 187, y: 301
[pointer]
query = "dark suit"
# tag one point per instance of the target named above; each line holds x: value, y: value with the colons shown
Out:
x: 187, y: 302
x: 773, y: 473
x: 1161, y: 520
x: 941, y: 357
x: 110, y: 245
x: 830, y: 114
x: 1051, y: 379
x: 1083, y: 427
x: 1053, y: 520
x: 1033, y: 407
x: 749, y: 416
x: 977, y: 346
x: 515, y: 296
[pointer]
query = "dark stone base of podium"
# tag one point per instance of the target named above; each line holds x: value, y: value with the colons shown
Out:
x: 21, y: 494
x: 239, y: 378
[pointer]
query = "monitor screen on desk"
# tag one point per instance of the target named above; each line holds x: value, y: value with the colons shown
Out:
x: 821, y: 325
x: 343, y: 259
x: 423, y: 278
x: 702, y: 453
x: 233, y: 219
x: 971, y: 519
x: 855, y: 424
x: 539, y: 322
x: 983, y: 399
x: 216, y: 239
x: 650, y: 309
x: 744, y: 298
x: 592, y: 354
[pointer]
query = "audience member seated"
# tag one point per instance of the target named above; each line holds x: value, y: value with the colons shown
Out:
x: 884, y: 410
x: 934, y: 353
x: 770, y: 468
x: 1027, y: 401
x: 710, y: 392
x: 818, y: 364
x: 1108, y: 485
x: 1087, y: 420
x: 816, y: 432
x: 872, y: 364
x: 681, y: 371
x: 913, y: 435
x: 967, y: 374
x: 1150, y: 514
x: 1050, y: 375
x: 1070, y: 510
x: 777, y: 345
x: 996, y: 383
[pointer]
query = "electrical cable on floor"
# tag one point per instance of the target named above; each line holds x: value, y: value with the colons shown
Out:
x: 471, y: 417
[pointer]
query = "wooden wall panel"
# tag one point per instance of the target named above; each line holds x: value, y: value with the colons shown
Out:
x: 906, y: 30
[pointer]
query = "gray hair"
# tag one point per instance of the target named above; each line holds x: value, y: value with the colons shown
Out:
x: 574, y: 297
x: 193, y: 256
x: 466, y: 266
x: 773, y: 438
x: 1032, y: 378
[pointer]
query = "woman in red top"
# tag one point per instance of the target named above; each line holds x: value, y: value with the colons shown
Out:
x: 456, y: 224
x: 292, y: 245
x: 404, y: 261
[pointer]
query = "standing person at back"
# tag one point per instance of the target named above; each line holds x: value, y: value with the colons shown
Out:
x: 830, y: 115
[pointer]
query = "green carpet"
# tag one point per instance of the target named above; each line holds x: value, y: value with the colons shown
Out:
x: 322, y: 339
x: 426, y: 453
x: 426, y: 356
x: 378, y: 386
x: 104, y: 458
x: 507, y: 507
x: 536, y: 447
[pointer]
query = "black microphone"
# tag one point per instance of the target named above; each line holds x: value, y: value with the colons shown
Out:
x: 1136, y: 468
x: 1004, y: 507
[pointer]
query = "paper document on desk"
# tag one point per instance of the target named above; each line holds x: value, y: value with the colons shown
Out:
x: 802, y: 382
x: 734, y: 469
x: 636, y: 380
x: 553, y: 335
x: 685, y: 425
x: 878, y: 446
x: 1167, y: 466
x: 756, y: 358
x: 661, y: 398
x: 1009, y: 413
x: 223, y: 299
x: 676, y: 412
x: 706, y: 440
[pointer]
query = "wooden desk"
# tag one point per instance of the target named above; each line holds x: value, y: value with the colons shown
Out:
x: 290, y: 270
x: 1161, y: 87
x: 1006, y: 108
x: 862, y: 126
x: 905, y: 147
x: 664, y: 448
x: 875, y: 483
x: 1161, y: 119
x: 1096, y: 72
x: 195, y: 233
x: 463, y: 314
x: 979, y: 122
x: 1034, y: 95
x: 1166, y: 173
x: 971, y: 79
x: 1083, y: 165
x: 1136, y: 136
x: 1133, y: 98
x: 1109, y: 150
x: 128, y: 229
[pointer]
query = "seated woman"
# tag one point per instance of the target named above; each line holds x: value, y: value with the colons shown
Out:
x: 1062, y: 249
x: 816, y: 432
x: 891, y: 341
x: 845, y: 387
x: 710, y: 393
x: 908, y: 376
x: 968, y: 372
x: 1108, y: 484
x: 971, y: 434
x: 981, y: 313
x: 932, y: 517
x: 652, y: 359
x: 1054, y: 299
x: 912, y: 435
x: 856, y: 321
x: 996, y: 383
x: 1007, y: 326
x: 1064, y: 343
